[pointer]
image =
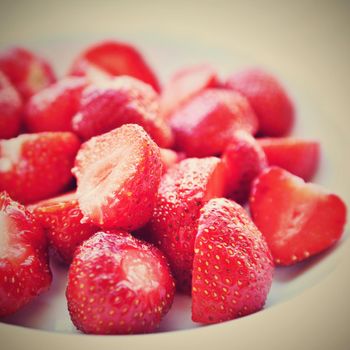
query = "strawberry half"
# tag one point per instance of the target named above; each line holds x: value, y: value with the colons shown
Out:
x: 37, y: 166
x: 119, y: 101
x: 114, y: 58
x: 118, y: 176
x: 28, y: 72
x: 53, y: 108
x: 118, y: 284
x: 204, y: 125
x: 24, y: 269
x: 62, y: 220
x: 232, y: 267
x: 182, y: 192
x: 298, y: 219
x: 268, y: 98
x: 300, y: 157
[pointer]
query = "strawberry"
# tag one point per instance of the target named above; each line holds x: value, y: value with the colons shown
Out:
x: 62, y: 220
x: 169, y: 158
x: 37, y: 166
x: 53, y: 108
x: 10, y: 109
x: 298, y: 219
x: 232, y: 267
x: 204, y: 125
x: 114, y: 58
x: 28, y: 72
x: 184, y: 85
x: 118, y: 175
x: 118, y: 284
x: 182, y: 192
x: 244, y: 160
x: 268, y: 98
x: 120, y: 101
x: 300, y: 157
x: 24, y: 269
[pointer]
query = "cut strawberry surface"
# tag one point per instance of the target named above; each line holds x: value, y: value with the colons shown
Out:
x: 118, y: 175
x: 169, y: 158
x: 306, y: 219
x: 118, y: 285
x: 37, y: 166
x: 24, y: 269
x: 204, y: 125
x: 232, y: 267
x: 182, y: 192
x: 300, y: 157
x: 114, y: 58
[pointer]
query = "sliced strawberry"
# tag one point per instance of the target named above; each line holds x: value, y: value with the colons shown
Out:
x: 28, y: 72
x: 182, y: 192
x: 10, y: 109
x: 204, y: 125
x: 114, y: 58
x: 118, y: 284
x: 120, y: 101
x: 118, y: 175
x: 24, y: 269
x: 298, y: 219
x: 268, y: 98
x: 53, y: 108
x: 184, y: 85
x: 37, y: 166
x: 300, y: 157
x: 62, y: 221
x: 232, y: 267
x: 244, y: 160
x: 169, y: 158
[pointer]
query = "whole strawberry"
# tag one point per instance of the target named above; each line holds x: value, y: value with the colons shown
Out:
x: 118, y: 284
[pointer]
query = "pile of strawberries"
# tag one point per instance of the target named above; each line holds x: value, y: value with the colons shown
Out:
x: 139, y: 189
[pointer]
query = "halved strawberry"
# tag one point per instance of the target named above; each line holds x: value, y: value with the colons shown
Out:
x: 300, y: 157
x: 10, y: 109
x: 232, y: 267
x: 184, y: 85
x: 114, y: 58
x: 120, y: 101
x: 118, y: 175
x: 268, y: 98
x: 204, y: 125
x: 298, y: 219
x: 37, y: 166
x: 182, y: 192
x: 118, y: 284
x: 24, y: 269
x: 62, y: 220
x: 53, y: 108
x: 28, y: 72
x: 244, y: 160
x: 169, y: 158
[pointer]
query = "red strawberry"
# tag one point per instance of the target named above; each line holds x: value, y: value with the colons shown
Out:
x: 268, y: 98
x: 53, y: 108
x: 10, y: 109
x: 232, y: 267
x: 28, y: 72
x: 184, y: 85
x: 244, y: 160
x: 118, y: 175
x: 61, y: 219
x: 298, y: 219
x: 24, y: 269
x: 182, y: 192
x: 120, y: 101
x: 114, y: 58
x: 300, y: 157
x: 118, y: 284
x: 169, y: 158
x: 204, y: 125
x: 37, y: 166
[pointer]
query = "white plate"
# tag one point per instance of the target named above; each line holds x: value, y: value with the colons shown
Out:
x: 308, y: 304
